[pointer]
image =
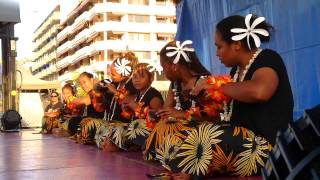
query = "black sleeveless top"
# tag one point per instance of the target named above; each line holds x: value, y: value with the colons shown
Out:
x: 152, y: 92
x: 184, y: 96
x: 268, y: 117
x: 91, y: 112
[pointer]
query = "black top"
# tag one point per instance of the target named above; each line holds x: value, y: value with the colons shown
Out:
x: 266, y: 118
x: 146, y: 99
x: 114, y: 108
x: 59, y: 105
x: 91, y: 112
x: 150, y: 94
x: 184, y: 95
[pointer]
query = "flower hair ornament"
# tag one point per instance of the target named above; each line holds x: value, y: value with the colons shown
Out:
x: 250, y: 31
x: 155, y: 67
x: 180, y: 50
x: 122, y: 66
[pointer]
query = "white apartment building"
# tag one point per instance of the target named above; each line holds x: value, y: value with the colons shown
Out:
x: 45, y: 46
x: 94, y: 32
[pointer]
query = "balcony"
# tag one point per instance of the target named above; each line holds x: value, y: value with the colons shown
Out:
x: 77, y: 6
x: 92, y: 33
x: 83, y: 53
x: 136, y: 27
x: 63, y: 34
x: 81, y: 37
x: 53, y: 19
x: 63, y: 62
x: 120, y: 45
x: 80, y: 21
x: 63, y: 48
x: 119, y: 8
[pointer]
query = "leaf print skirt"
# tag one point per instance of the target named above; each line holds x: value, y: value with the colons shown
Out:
x: 215, y: 150
x: 126, y: 135
x: 49, y: 124
x: 162, y: 131
x: 89, y: 127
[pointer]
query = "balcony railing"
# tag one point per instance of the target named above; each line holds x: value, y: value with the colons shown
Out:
x: 136, y: 27
x: 63, y: 34
x: 119, y: 8
x: 63, y: 48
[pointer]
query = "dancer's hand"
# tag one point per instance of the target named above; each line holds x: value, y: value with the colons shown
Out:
x: 202, y: 84
x: 170, y: 112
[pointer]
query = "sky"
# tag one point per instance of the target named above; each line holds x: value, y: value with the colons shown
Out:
x: 32, y: 13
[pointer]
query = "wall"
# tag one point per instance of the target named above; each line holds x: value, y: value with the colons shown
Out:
x: 296, y: 37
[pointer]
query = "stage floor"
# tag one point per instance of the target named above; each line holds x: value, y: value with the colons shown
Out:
x: 25, y: 155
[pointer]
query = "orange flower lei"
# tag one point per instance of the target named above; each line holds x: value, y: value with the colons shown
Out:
x: 140, y: 111
x: 120, y: 95
x: 150, y: 124
x: 214, y: 98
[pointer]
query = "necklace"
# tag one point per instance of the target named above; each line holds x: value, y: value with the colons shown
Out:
x: 112, y: 106
x: 177, y: 98
x: 142, y: 96
x: 226, y: 116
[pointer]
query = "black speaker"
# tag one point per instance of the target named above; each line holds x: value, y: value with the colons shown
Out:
x: 11, y: 121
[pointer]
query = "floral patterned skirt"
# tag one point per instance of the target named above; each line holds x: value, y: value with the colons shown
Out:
x: 123, y: 135
x: 163, y: 130
x: 213, y: 150
x: 49, y: 124
x: 89, y: 127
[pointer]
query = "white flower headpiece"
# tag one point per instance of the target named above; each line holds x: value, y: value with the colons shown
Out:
x: 155, y: 67
x: 250, y: 31
x: 122, y: 67
x: 180, y: 50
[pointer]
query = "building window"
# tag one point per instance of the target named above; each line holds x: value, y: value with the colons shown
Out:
x: 139, y: 18
x: 139, y: 2
x: 114, y: 1
x: 165, y: 20
x: 162, y: 2
x: 143, y: 54
x: 113, y: 55
x: 165, y: 37
x: 112, y: 36
x: 139, y: 36
x: 113, y: 17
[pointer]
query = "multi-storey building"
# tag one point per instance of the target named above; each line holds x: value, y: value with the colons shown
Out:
x: 45, y: 46
x: 94, y: 32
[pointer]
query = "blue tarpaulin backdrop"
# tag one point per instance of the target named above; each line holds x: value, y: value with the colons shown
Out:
x: 296, y: 37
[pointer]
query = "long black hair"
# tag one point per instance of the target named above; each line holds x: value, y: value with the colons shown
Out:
x: 194, y: 65
x: 224, y: 28
x: 70, y: 87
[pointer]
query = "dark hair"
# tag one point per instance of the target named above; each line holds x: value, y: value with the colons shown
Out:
x: 224, y: 28
x: 86, y: 74
x: 70, y: 87
x: 143, y: 67
x: 194, y: 65
x: 54, y: 92
x: 130, y: 56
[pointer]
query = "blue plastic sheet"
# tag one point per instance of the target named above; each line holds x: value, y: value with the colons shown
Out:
x: 296, y: 38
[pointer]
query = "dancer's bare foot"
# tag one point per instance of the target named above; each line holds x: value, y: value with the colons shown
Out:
x: 163, y: 175
x: 108, y: 146
x: 181, y: 176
